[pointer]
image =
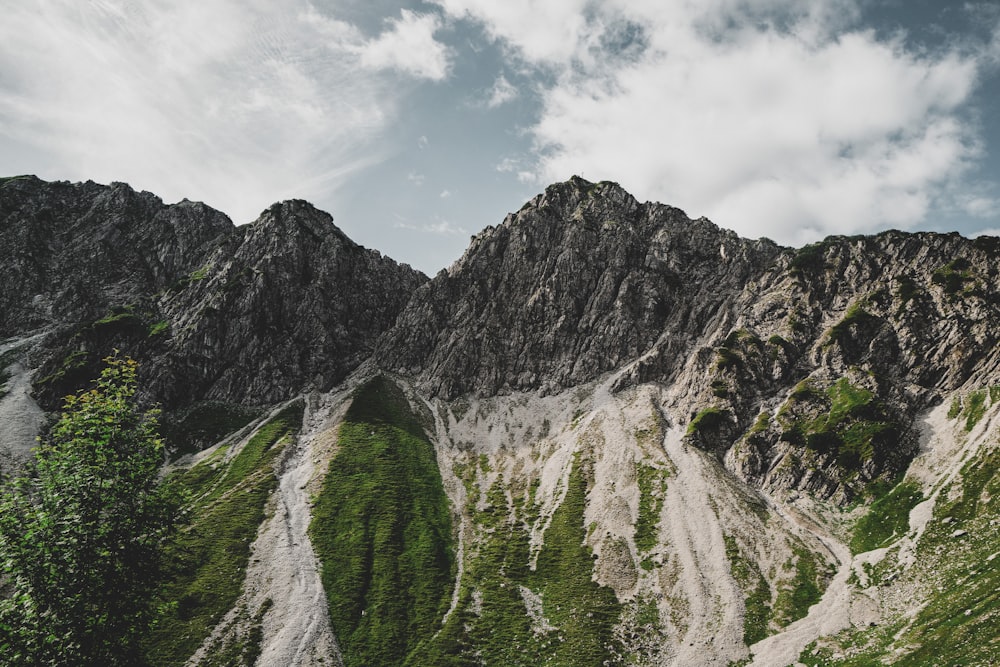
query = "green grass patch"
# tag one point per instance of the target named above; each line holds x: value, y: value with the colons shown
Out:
x: 854, y: 426
x: 203, y: 425
x: 809, y: 259
x: 159, y: 328
x: 953, y: 276
x: 888, y: 517
x: 756, y: 592
x: 803, y: 591
x: 975, y: 408
x: 906, y: 289
x: 720, y: 388
x: 856, y: 318
x: 207, y: 559
x: 955, y: 409
x: 490, y: 624
x: 706, y: 421
x: 652, y: 491
x: 382, y: 531
x: 728, y: 358
x: 761, y: 424
x: 585, y: 612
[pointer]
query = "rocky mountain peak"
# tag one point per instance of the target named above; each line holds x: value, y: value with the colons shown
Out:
x: 295, y: 217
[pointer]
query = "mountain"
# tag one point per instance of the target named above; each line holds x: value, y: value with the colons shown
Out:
x: 608, y: 434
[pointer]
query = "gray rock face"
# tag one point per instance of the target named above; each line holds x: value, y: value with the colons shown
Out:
x: 581, y: 281
x: 584, y: 280
x: 246, y: 315
x: 802, y: 369
x: 73, y: 251
x: 291, y: 302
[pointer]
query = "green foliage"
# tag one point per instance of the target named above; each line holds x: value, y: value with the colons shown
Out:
x: 720, y: 388
x: 159, y: 328
x: 120, y: 320
x: 756, y: 592
x: 240, y: 648
x: 953, y: 276
x: 207, y: 560
x: 804, y: 590
x: 854, y: 319
x: 204, y: 424
x: 71, y: 369
x: 489, y: 625
x: 728, y: 359
x: 955, y: 409
x: 193, y: 277
x: 652, y: 489
x: 708, y: 420
x: 809, y: 259
x: 584, y: 611
x: 957, y: 591
x: 887, y: 517
x: 975, y: 408
x: 907, y: 289
x: 509, y: 615
x: 761, y: 424
x: 80, y: 534
x: 854, y: 427
x: 382, y: 531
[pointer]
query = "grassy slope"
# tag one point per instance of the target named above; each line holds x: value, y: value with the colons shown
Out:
x: 208, y: 557
x: 382, y: 531
x: 957, y: 578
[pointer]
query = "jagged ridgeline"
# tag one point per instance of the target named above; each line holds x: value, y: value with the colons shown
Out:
x: 608, y: 434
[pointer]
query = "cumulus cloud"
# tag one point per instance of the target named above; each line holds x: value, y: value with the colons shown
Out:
x: 409, y: 46
x: 235, y: 103
x: 773, y: 117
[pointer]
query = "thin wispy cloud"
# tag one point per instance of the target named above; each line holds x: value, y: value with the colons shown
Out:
x: 503, y: 91
x: 439, y: 227
x: 235, y: 103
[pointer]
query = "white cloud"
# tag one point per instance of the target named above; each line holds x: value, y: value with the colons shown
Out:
x: 445, y: 194
x: 981, y: 207
x: 235, y: 103
x: 772, y: 117
x: 409, y: 46
x: 422, y: 142
x: 539, y: 30
x: 501, y: 92
x: 415, y: 177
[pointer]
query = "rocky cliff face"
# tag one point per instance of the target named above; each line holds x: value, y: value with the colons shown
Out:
x: 759, y: 343
x: 581, y: 281
x: 74, y: 251
x: 237, y: 316
x: 608, y: 434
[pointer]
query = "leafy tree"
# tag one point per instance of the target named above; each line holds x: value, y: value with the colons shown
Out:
x: 80, y: 532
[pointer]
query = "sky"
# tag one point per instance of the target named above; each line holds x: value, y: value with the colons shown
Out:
x: 418, y: 123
